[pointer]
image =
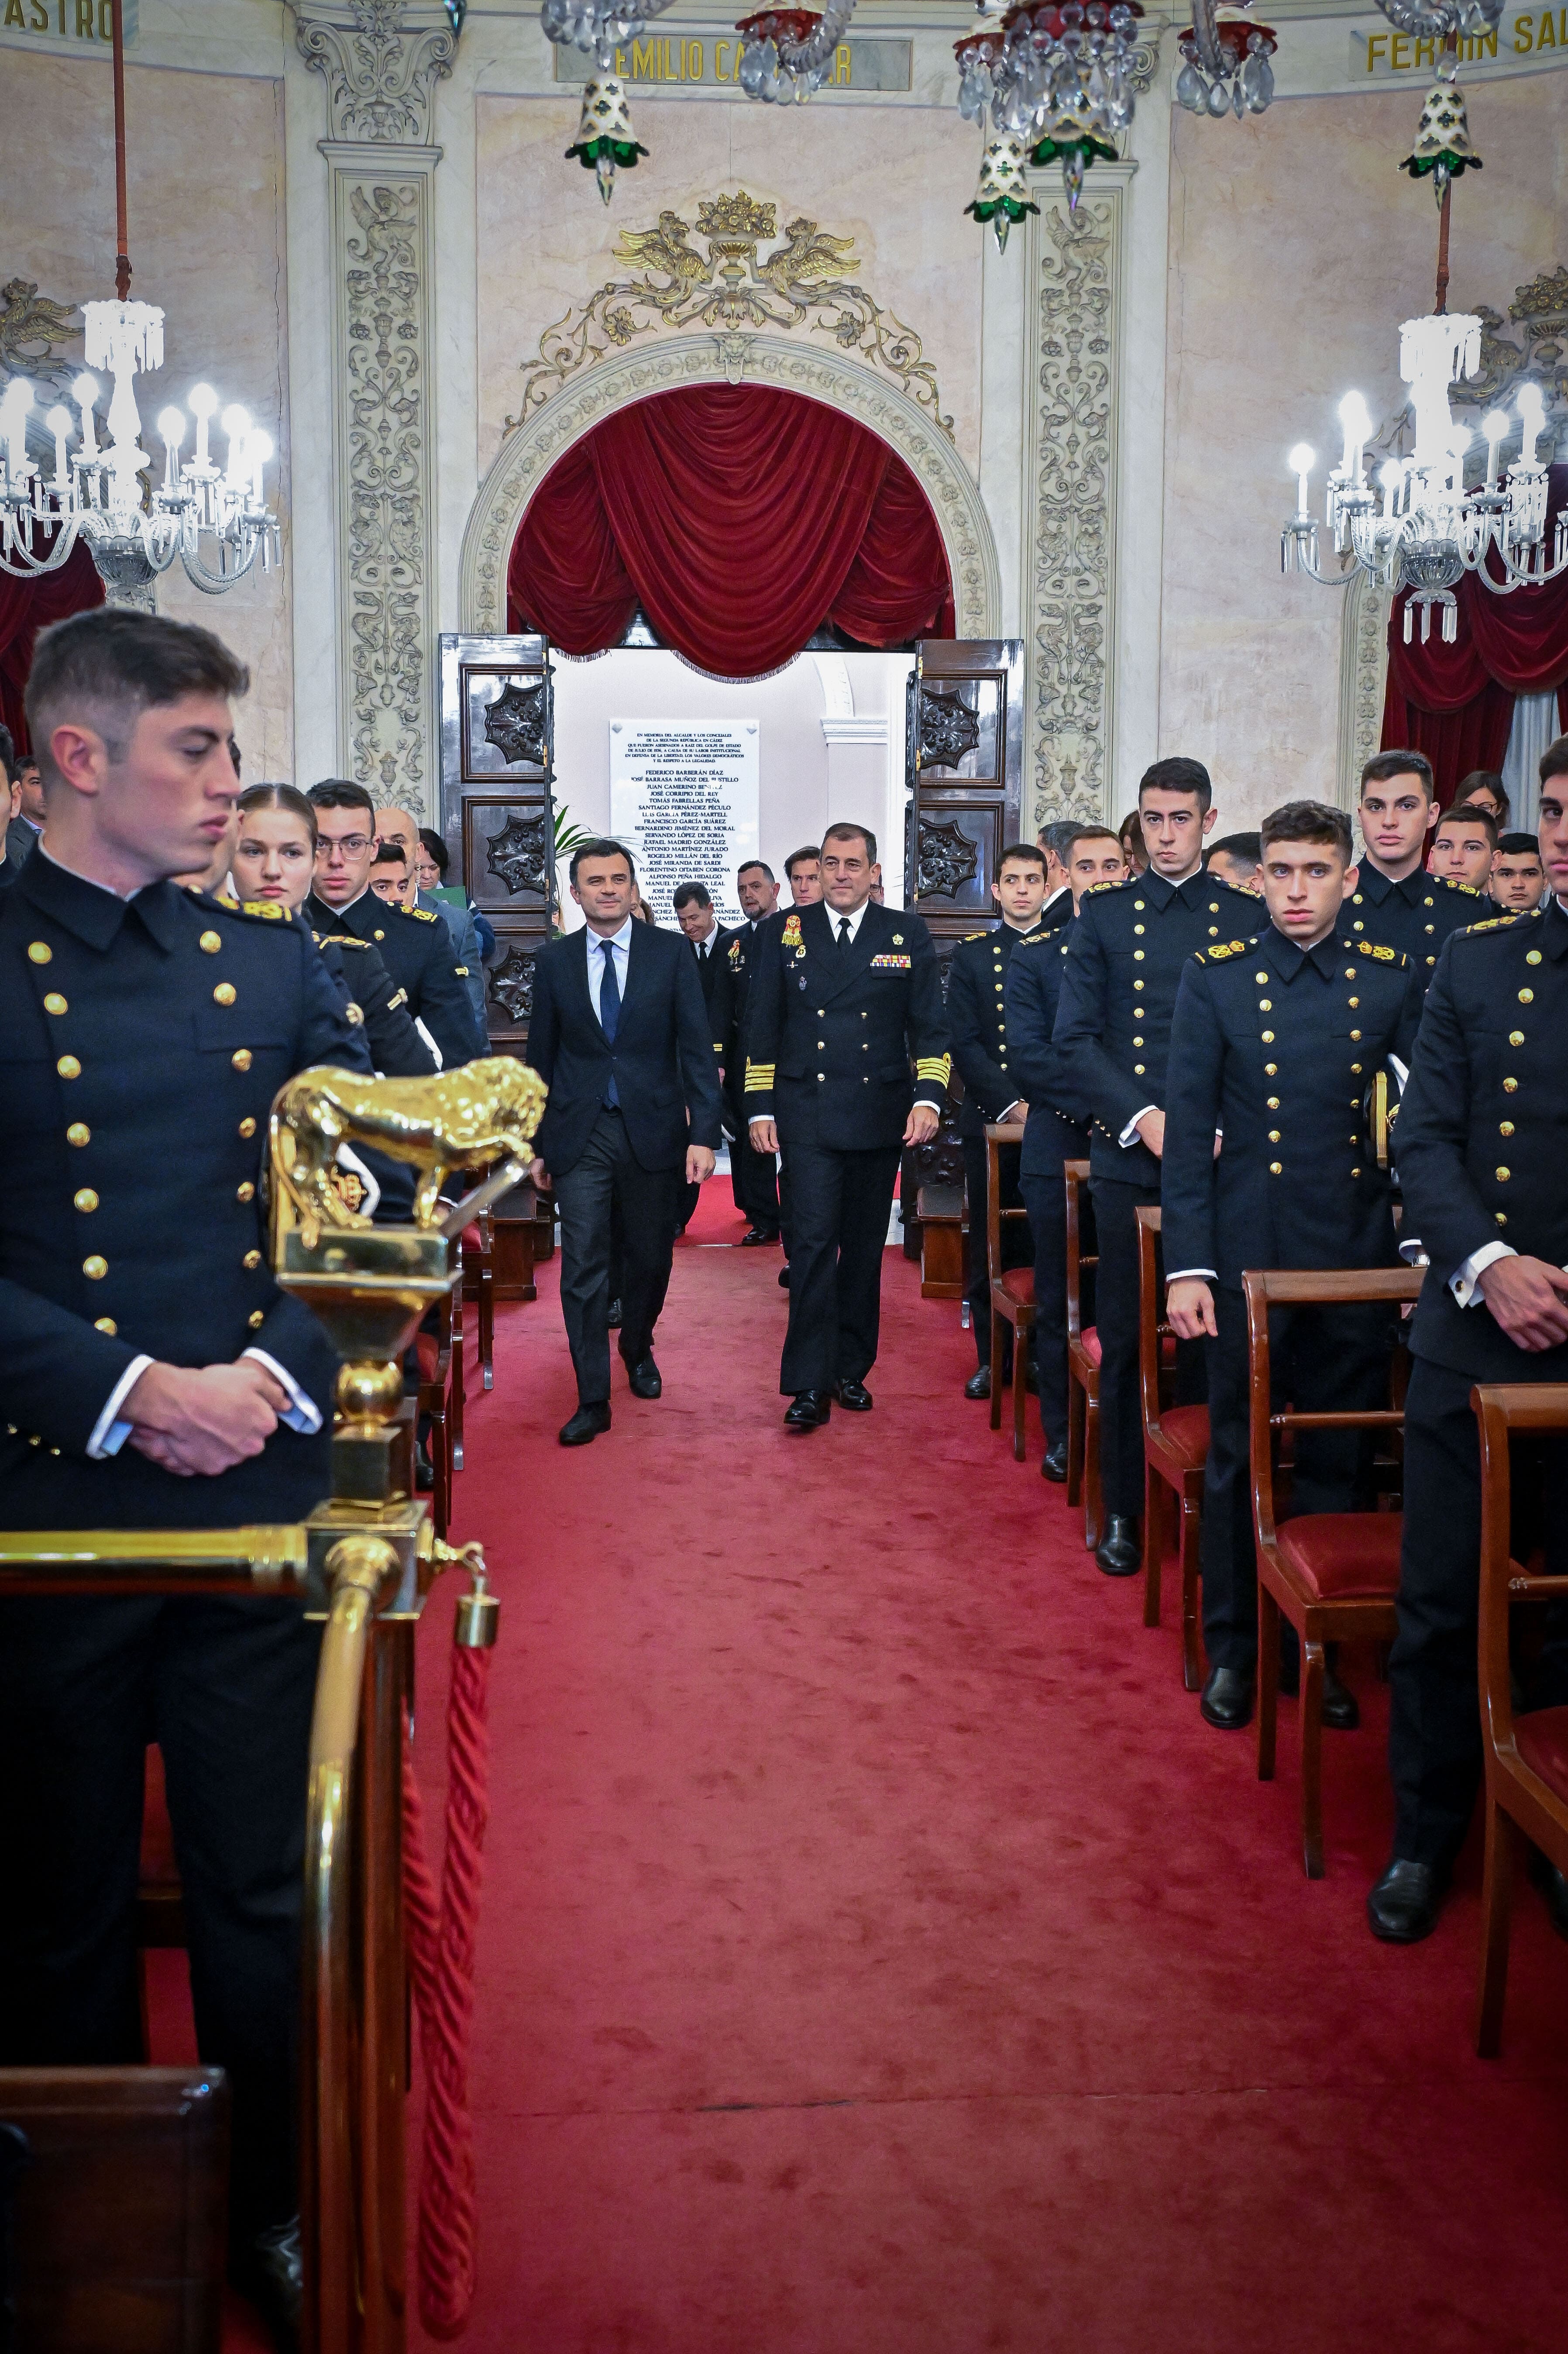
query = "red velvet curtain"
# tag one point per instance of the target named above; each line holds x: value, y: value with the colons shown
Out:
x: 26, y: 608
x: 1456, y: 703
x: 739, y: 519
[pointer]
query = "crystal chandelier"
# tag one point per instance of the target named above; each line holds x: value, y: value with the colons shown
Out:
x: 1057, y: 83
x: 787, y: 51
x: 1421, y: 530
x: 215, y: 519
x: 1224, y: 65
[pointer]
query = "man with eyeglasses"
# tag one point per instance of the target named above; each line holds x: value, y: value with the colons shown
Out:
x: 415, y: 945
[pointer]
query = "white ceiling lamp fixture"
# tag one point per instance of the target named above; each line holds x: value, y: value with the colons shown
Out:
x: 214, y: 518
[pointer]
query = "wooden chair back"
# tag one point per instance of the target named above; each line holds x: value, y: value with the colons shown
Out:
x: 1151, y: 1327
x: 998, y: 1138
x: 1076, y: 1175
x: 1516, y: 1793
x: 117, y: 2243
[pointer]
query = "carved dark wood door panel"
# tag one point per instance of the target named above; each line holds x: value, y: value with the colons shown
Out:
x: 965, y: 778
x: 497, y: 739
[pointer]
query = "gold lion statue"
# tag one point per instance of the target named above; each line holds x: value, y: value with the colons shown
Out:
x: 484, y: 1111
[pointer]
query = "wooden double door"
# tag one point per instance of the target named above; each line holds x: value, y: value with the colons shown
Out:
x: 964, y: 778
x: 497, y: 818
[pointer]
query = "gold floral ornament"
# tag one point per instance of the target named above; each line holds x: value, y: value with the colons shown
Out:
x: 1003, y: 195
x: 605, y: 137
x: 792, y: 934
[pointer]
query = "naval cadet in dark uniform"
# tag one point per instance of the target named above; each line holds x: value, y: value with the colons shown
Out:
x: 753, y: 1176
x: 1125, y: 958
x: 1483, y: 1148
x: 151, y: 1374
x: 847, y: 999
x: 977, y: 1024
x: 414, y: 942
x: 1057, y: 1128
x: 1275, y: 1044
x: 1396, y: 901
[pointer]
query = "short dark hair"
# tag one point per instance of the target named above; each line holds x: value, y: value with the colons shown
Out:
x: 116, y: 662
x: 1467, y: 813
x: 844, y: 829
x: 1384, y: 765
x: 436, y: 849
x: 390, y: 853
x: 8, y: 755
x: 1308, y: 822
x: 278, y: 797
x: 1177, y: 775
x: 684, y: 893
x: 340, y: 792
x: 1485, y: 780
x: 1519, y: 845
x: 25, y: 761
x: 1085, y: 831
x: 796, y: 857
x: 747, y: 863
x: 1555, y: 760
x: 603, y: 849
x: 1057, y: 835
x: 1027, y: 850
x: 1247, y: 849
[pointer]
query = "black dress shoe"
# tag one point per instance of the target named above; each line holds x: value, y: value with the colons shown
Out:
x: 854, y: 1397
x: 613, y: 1316
x: 978, y: 1383
x: 810, y: 1410
x: 784, y: 1278
x: 1119, y: 1552
x: 1054, y: 1467
x: 755, y: 1238
x: 1403, y: 1906
x: 1226, y: 1699
x: 1341, y: 1711
x: 1553, y: 1886
x: 642, y: 1378
x: 270, y: 2274
x: 588, y: 1423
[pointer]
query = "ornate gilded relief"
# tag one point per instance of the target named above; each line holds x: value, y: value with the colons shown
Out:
x: 949, y: 729
x: 517, y: 854
x: 30, y: 327
x: 803, y: 284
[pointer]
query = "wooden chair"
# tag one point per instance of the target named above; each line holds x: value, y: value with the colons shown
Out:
x: 1527, y: 1756
x: 1083, y: 1367
x: 1012, y: 1288
x: 1175, y: 1449
x: 1333, y: 1574
x: 941, y: 1223
x: 478, y: 1285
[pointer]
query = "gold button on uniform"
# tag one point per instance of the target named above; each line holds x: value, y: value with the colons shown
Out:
x: 1352, y: 1001
x: 1260, y: 976
x: 1138, y: 1070
x: 1510, y: 1086
x: 79, y: 1132
x: 224, y: 993
x: 69, y: 1068
x: 95, y: 1268
x: 1532, y: 956
x: 85, y: 1199
x: 1265, y: 1005
x: 1355, y: 1034
x: 1527, y: 996
x: 252, y: 1259
x: 1516, y: 1037
x: 40, y: 952
x: 248, y: 1126
x: 255, y: 1319
x: 1273, y: 1135
x: 241, y: 1060
x: 211, y: 942
x: 1267, y: 1037
x: 1137, y: 927
x: 1275, y: 1168
x: 1502, y: 1175
x: 54, y: 1003
x: 1138, y: 1042
x: 1505, y: 1128
x: 1272, y: 1069
x: 1355, y: 1173
x: 1137, y: 956
x: 1274, y: 1103
x: 246, y: 1192
x: 105, y: 1324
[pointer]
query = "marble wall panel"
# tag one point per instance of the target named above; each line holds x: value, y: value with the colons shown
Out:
x: 898, y: 183
x: 206, y: 193
x: 1296, y: 247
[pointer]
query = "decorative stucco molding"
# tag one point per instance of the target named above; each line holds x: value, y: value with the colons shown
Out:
x: 1073, y: 347
x: 593, y: 390
x: 381, y: 60
x: 1363, y: 677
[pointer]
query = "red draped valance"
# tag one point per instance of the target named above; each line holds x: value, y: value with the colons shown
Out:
x: 1456, y: 703
x: 739, y: 519
x: 26, y: 608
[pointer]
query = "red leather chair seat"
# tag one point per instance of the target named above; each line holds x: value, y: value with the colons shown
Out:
x: 1186, y: 1429
x: 1168, y: 1348
x: 1345, y: 1556
x: 1542, y: 1739
x: 429, y: 1349
x: 1019, y: 1284
x: 1091, y: 1342
x: 473, y: 1240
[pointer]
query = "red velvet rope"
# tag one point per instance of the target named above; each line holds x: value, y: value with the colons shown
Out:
x: 441, y: 1964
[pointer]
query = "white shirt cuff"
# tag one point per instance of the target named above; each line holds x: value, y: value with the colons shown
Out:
x: 758, y: 1118
x: 108, y: 1434
x: 1463, y: 1283
x: 1003, y: 1117
x: 1192, y: 1274
x: 302, y: 1413
x: 1129, y: 1134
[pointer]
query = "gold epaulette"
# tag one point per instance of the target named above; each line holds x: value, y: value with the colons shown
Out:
x: 973, y: 936
x: 1384, y: 956
x: 271, y: 911
x: 1220, y: 949
x: 934, y: 1066
x: 1492, y: 923
x: 1095, y: 888
x: 426, y: 915
x: 758, y: 1078
x: 340, y: 940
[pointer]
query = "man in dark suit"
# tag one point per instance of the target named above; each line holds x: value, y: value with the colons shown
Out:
x: 846, y: 997
x: 694, y: 913
x: 1483, y: 1143
x: 151, y: 1374
x: 1274, y: 1042
x: 754, y: 1179
x: 621, y: 1037
x: 1395, y: 900
x: 415, y: 945
x: 1125, y: 957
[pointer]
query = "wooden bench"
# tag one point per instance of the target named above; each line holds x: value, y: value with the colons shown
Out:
x: 939, y: 1211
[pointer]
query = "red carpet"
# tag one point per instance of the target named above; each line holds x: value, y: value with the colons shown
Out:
x: 880, y: 1956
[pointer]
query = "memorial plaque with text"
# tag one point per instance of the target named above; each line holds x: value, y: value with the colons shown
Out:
x: 684, y: 798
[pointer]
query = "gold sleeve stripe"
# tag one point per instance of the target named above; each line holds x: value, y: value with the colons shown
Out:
x: 935, y: 1066
x: 759, y: 1077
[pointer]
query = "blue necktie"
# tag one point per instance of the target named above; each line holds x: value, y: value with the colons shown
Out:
x: 610, y: 1012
